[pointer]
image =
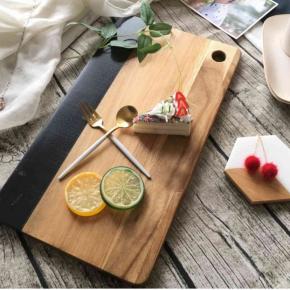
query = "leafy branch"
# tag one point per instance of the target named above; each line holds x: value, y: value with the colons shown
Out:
x: 145, y: 43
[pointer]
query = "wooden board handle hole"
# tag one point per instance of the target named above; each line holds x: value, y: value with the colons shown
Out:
x: 218, y: 56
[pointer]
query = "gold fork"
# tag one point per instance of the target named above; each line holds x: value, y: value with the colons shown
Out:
x: 96, y: 122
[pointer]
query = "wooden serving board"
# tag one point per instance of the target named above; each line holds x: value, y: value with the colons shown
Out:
x: 126, y: 244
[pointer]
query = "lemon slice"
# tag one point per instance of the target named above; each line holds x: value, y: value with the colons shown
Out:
x: 82, y: 194
x: 122, y: 188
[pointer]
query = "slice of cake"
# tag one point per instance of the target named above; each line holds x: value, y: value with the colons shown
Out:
x: 170, y: 117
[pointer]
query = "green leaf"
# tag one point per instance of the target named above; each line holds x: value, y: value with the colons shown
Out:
x: 124, y: 43
x: 143, y: 41
x: 145, y: 46
x: 146, y: 13
x: 142, y: 52
x: 159, y: 29
x: 151, y: 48
x: 93, y: 28
x: 109, y: 30
x: 141, y: 55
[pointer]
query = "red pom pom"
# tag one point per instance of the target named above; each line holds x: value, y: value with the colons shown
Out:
x: 252, y: 163
x: 269, y: 171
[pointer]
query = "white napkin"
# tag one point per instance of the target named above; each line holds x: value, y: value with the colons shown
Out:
x: 30, y: 47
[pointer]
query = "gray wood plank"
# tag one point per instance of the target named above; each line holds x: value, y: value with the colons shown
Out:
x: 250, y: 49
x: 16, y: 270
x: 240, y: 245
x: 220, y: 239
x: 75, y: 57
x: 249, y: 108
x: 16, y: 141
x: 57, y: 268
x: 63, y: 271
x: 217, y: 238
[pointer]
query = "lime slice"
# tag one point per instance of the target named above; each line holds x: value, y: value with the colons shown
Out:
x: 122, y: 188
x: 82, y: 194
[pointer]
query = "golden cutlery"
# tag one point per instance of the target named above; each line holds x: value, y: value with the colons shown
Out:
x: 124, y: 119
x: 95, y: 121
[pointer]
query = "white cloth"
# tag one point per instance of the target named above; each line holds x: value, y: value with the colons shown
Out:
x: 30, y: 47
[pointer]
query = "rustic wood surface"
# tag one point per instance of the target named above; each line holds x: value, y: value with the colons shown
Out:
x: 131, y: 242
x: 217, y: 238
x: 255, y: 189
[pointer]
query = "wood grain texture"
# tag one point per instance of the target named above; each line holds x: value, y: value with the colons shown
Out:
x: 18, y: 267
x: 63, y: 271
x: 60, y: 270
x: 217, y: 239
x: 53, y: 267
x: 248, y: 109
x: 128, y: 243
x: 255, y: 189
x: 220, y: 239
x: 15, y: 268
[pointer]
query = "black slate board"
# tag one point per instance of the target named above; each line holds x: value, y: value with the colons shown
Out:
x: 28, y: 182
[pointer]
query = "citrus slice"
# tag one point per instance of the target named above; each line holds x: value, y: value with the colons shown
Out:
x: 82, y: 194
x: 122, y: 188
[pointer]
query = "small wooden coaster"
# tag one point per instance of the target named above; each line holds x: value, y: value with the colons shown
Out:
x: 253, y: 186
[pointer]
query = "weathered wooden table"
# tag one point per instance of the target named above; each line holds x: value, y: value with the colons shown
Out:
x: 217, y: 239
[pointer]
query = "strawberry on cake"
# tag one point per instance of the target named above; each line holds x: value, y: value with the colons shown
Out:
x: 171, y: 117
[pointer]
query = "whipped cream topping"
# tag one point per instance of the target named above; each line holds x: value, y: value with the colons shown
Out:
x: 174, y: 108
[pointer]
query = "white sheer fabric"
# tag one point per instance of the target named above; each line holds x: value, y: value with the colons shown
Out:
x: 30, y: 47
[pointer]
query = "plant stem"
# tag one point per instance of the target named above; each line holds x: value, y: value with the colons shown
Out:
x: 168, y: 44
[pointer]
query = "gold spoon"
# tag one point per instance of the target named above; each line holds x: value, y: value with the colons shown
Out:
x: 124, y: 119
